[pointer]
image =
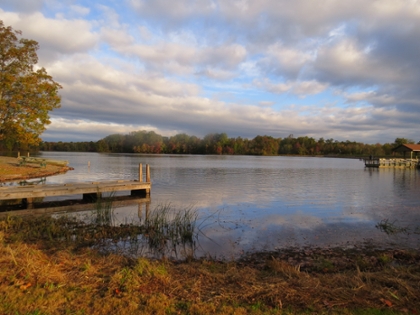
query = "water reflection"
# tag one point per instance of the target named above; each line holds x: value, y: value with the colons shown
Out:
x: 267, y: 202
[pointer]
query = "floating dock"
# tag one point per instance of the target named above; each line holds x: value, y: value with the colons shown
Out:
x: 91, y: 191
x: 392, y: 163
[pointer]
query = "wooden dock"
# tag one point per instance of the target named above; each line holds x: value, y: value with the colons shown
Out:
x: 76, y: 206
x: 392, y: 163
x: 89, y: 190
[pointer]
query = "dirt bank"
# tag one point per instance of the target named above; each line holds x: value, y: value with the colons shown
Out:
x: 10, y: 170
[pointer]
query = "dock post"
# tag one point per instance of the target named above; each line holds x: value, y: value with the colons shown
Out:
x: 147, y: 210
x: 140, y: 172
x: 147, y: 173
x: 28, y: 203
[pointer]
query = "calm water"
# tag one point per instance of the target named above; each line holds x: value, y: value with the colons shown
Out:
x: 256, y: 203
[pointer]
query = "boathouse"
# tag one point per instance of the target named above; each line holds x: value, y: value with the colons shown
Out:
x: 404, y: 148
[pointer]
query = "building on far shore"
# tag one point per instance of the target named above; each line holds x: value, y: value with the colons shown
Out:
x: 404, y: 148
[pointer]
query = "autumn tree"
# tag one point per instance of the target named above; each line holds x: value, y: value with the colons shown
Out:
x: 27, y: 94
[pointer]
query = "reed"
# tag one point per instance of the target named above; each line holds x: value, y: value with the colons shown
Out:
x: 391, y: 228
x: 167, y: 230
x: 103, y: 211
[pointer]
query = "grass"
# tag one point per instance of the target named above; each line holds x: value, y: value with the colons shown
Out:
x: 167, y: 230
x: 102, y: 214
x: 10, y: 170
x: 54, y: 266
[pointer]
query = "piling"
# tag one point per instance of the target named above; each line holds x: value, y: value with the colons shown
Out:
x: 140, y: 173
x: 147, y: 173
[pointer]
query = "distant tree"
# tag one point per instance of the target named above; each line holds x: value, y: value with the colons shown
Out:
x: 399, y: 141
x: 264, y: 145
x: 115, y: 142
x: 26, y: 95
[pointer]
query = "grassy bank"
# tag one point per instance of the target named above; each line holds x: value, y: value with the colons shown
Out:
x: 45, y: 270
x: 11, y: 170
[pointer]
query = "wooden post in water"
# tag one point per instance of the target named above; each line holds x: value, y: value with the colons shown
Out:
x: 139, y: 211
x: 140, y: 173
x: 147, y: 210
x: 147, y: 173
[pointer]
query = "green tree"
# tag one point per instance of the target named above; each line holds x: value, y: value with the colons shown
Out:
x: 26, y: 95
x: 399, y: 141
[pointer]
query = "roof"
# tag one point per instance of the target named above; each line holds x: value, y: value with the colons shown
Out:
x: 407, y: 148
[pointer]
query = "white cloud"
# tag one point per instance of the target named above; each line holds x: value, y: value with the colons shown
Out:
x: 301, y: 88
x: 237, y: 66
x: 54, y: 36
x: 305, y: 88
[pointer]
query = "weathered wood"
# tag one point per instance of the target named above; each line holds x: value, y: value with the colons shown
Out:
x: 30, y: 192
x: 140, y: 172
x: 76, y: 207
x: 147, y: 173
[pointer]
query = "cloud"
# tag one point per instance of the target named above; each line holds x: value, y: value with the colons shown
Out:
x: 266, y: 103
x: 284, y: 61
x: 301, y: 88
x: 244, y: 67
x: 55, y: 36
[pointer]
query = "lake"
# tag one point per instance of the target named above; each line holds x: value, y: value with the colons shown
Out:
x: 253, y: 203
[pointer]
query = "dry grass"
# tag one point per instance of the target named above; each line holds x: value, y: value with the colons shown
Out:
x: 11, y: 170
x: 37, y: 277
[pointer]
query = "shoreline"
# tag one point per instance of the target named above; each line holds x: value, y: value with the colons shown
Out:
x: 61, y: 276
x: 10, y: 170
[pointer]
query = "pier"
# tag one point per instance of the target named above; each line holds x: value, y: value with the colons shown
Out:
x: 405, y: 163
x: 90, y: 191
x: 392, y: 163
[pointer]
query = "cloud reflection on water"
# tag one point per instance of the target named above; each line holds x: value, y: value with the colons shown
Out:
x: 268, y: 202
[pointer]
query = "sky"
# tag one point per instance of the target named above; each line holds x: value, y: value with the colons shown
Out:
x: 340, y: 69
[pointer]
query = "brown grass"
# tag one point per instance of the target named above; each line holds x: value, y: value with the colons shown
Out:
x: 11, y: 170
x: 37, y: 277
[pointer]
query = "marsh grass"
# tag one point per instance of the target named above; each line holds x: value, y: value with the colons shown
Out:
x: 391, y: 228
x: 103, y: 212
x: 167, y: 230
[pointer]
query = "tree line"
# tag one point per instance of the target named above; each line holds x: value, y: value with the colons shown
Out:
x: 219, y: 143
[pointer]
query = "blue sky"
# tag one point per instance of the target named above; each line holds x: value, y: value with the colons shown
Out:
x: 347, y: 70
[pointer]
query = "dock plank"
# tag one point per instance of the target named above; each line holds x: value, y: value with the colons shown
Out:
x: 21, y: 192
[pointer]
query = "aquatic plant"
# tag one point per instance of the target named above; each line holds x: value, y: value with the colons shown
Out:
x: 102, y: 213
x: 167, y: 228
x: 391, y: 228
